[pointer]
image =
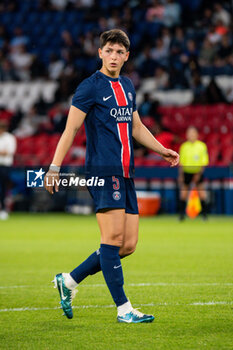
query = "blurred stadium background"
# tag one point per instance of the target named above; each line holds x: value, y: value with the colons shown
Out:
x: 181, y: 64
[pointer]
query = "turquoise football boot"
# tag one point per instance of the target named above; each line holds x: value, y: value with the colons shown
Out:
x: 66, y: 295
x: 135, y: 316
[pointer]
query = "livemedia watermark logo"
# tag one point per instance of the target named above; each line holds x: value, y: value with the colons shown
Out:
x: 36, y: 179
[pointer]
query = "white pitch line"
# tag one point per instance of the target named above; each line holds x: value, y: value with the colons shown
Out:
x: 156, y: 284
x: 12, y: 287
x: 178, y: 284
x: 199, y: 303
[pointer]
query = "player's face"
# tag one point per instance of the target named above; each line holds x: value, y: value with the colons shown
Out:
x: 113, y: 57
x: 192, y: 134
x: 3, y: 128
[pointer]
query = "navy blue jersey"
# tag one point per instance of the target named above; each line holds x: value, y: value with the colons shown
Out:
x: 109, y: 104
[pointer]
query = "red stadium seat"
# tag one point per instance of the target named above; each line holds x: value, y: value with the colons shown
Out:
x: 149, y: 122
x: 25, y: 145
x: 213, y: 139
x: 214, y: 152
x: 166, y: 121
x: 227, y: 156
x: 138, y: 161
x: 226, y: 140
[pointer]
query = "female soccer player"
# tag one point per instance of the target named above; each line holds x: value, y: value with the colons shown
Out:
x: 106, y: 103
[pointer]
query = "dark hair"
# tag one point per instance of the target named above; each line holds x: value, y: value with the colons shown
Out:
x: 115, y: 36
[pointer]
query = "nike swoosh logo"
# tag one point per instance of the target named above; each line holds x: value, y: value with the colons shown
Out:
x: 116, y: 267
x: 129, y: 320
x: 106, y: 98
x: 62, y: 294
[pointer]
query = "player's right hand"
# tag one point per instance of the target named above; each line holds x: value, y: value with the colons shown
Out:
x: 51, y: 181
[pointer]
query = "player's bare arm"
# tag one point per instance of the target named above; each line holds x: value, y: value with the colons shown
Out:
x: 145, y: 138
x: 6, y: 153
x: 74, y: 122
x: 3, y: 153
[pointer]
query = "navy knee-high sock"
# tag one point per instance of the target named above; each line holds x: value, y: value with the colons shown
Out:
x: 112, y: 270
x: 88, y: 267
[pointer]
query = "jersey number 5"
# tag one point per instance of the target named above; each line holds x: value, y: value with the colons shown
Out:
x: 116, y: 184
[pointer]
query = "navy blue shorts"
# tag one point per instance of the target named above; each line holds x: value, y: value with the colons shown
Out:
x: 117, y: 192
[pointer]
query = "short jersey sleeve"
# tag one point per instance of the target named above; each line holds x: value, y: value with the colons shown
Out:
x: 205, y: 156
x: 182, y: 154
x: 84, y: 97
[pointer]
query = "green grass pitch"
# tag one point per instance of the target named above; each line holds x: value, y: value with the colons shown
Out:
x: 180, y: 272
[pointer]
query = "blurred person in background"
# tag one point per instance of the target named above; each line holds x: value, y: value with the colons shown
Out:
x: 207, y: 53
x: 177, y: 43
x: 22, y: 62
x: 4, y: 37
x: 225, y: 50
x: 214, y: 94
x: 7, y: 72
x: 67, y: 42
x: 30, y: 123
x: 55, y: 67
x: 7, y: 151
x: 207, y: 18
x: 58, y: 117
x: 150, y: 107
x: 131, y: 72
x: 166, y: 37
x: 146, y: 105
x: 161, y: 78
x: 145, y: 64
x: 160, y: 52
x: 172, y: 13
x: 198, y: 89
x: 155, y: 13
x: 193, y: 160
x: 190, y: 52
x: 213, y: 36
x: 220, y: 13
x: 19, y: 38
x: 59, y: 5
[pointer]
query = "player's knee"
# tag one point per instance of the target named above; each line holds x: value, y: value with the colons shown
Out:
x: 184, y: 195
x: 128, y: 248
x: 117, y: 238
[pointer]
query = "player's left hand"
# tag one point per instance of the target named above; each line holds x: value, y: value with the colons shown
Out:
x: 171, y: 156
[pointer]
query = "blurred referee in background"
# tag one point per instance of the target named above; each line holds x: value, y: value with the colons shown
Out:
x: 7, y: 151
x: 193, y: 159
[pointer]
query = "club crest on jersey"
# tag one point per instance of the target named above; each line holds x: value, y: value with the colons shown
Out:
x: 130, y: 96
x: 122, y: 113
x: 116, y: 195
